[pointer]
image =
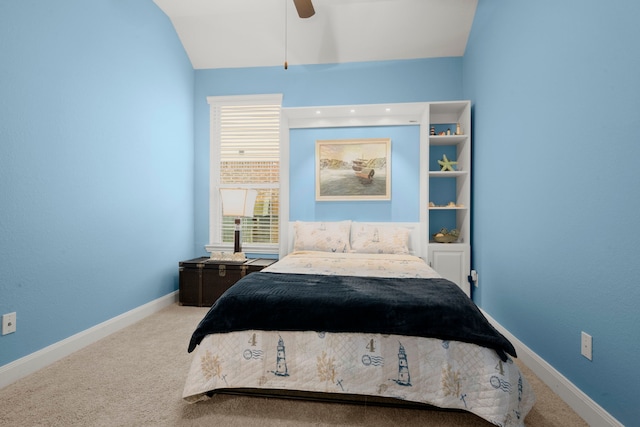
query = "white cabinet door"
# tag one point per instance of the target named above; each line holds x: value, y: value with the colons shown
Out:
x: 451, y: 261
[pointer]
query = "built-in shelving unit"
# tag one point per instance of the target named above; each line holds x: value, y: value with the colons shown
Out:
x: 448, y: 193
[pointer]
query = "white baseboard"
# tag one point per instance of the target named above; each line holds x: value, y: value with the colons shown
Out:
x: 33, y: 362
x: 584, y: 406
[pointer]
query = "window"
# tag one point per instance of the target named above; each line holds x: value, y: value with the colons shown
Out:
x: 245, y: 153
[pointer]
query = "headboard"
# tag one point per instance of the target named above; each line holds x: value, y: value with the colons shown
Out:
x: 415, y: 242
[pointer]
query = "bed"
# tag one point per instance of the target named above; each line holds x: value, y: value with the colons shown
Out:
x: 346, y: 318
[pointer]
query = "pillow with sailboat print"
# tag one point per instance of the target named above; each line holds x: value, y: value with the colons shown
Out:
x: 330, y: 236
x: 379, y: 239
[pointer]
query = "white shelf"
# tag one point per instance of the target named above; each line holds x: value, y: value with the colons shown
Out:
x: 457, y: 245
x: 447, y: 174
x: 447, y: 139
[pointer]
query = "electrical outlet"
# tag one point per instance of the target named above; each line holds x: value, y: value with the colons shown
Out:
x: 586, y: 346
x: 8, y: 323
x: 474, y: 278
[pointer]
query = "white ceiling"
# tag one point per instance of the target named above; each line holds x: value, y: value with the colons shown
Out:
x: 251, y: 33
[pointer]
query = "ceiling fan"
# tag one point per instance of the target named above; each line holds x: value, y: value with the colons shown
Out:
x: 304, y: 8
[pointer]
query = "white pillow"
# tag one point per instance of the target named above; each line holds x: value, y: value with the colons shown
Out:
x: 379, y: 239
x: 322, y: 236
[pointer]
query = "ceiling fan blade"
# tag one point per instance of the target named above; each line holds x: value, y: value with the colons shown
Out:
x: 304, y: 8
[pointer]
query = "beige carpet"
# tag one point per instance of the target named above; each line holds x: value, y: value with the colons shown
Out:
x: 135, y: 378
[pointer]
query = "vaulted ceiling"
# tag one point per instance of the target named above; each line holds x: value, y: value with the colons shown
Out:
x: 253, y: 33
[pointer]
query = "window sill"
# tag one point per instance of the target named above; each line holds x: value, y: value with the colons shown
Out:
x: 247, y: 248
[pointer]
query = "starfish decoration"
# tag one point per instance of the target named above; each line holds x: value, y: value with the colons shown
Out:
x: 446, y: 164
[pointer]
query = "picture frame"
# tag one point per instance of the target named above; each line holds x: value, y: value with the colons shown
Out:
x: 353, y: 169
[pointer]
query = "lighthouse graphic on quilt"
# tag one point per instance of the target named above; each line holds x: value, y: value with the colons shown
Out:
x: 281, y: 361
x: 404, y: 378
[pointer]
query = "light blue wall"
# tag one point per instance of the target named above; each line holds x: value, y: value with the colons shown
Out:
x: 96, y: 164
x: 361, y: 83
x: 556, y: 187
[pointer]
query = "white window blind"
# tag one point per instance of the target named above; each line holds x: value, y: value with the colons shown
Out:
x: 246, y: 153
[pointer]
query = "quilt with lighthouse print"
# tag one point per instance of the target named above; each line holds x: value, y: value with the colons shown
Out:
x: 447, y: 374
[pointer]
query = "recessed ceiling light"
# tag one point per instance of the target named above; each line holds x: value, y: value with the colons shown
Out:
x: 353, y: 111
x: 387, y: 109
x: 318, y: 112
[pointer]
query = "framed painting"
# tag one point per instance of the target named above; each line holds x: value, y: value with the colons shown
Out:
x: 353, y: 169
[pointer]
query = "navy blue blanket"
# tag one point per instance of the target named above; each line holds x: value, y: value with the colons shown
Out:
x: 434, y: 308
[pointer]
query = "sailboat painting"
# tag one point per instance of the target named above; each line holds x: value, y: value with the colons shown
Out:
x: 354, y: 169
